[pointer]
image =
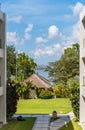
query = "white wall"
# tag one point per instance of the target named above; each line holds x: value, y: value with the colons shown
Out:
x: 82, y: 72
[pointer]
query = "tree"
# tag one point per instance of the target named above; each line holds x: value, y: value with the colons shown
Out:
x: 11, y: 61
x: 12, y: 98
x: 25, y: 66
x: 65, y: 68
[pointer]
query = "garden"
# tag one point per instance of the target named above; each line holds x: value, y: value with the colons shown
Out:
x: 63, y: 97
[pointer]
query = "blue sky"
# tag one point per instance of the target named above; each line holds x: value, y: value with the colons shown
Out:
x: 42, y: 28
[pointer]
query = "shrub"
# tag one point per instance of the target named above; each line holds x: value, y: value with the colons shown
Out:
x: 46, y: 94
x: 23, y: 89
x: 74, y: 95
x: 12, y: 98
x: 61, y: 91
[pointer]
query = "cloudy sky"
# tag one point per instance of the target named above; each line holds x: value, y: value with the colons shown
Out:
x: 42, y: 28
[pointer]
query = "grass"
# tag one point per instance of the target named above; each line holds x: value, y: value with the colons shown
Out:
x: 19, y: 125
x: 41, y: 106
x: 71, y: 126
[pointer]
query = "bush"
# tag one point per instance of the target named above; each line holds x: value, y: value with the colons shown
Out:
x: 74, y: 95
x: 12, y: 98
x: 46, y: 94
x: 23, y: 89
x: 61, y: 91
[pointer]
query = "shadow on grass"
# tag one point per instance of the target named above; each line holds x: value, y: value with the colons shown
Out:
x: 27, y: 124
x: 68, y: 126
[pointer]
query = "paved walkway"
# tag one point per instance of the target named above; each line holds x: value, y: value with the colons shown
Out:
x: 43, y: 121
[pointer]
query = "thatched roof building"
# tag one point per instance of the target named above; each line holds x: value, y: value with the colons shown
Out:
x: 39, y: 81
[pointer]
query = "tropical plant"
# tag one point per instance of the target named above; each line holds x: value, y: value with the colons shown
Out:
x: 61, y: 91
x: 25, y: 90
x: 12, y: 98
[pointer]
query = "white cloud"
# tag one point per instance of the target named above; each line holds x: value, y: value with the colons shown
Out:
x: 82, y: 13
x: 27, y: 36
x: 76, y: 32
x: 47, y: 50
x: 52, y: 32
x: 83, y: 10
x: 12, y: 37
x: 41, y: 40
x: 16, y: 19
x: 29, y: 28
x: 63, y: 41
x: 77, y: 8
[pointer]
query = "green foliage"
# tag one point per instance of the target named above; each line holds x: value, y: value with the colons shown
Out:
x: 11, y: 61
x: 61, y: 91
x: 74, y: 95
x: 26, y: 90
x: 65, y: 68
x: 25, y: 66
x: 46, y: 94
x: 12, y: 98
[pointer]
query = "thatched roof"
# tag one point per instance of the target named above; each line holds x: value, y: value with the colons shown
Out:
x: 39, y: 81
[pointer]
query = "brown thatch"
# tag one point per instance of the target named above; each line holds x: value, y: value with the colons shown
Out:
x: 39, y: 81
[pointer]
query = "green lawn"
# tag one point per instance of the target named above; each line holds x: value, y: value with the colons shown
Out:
x: 19, y: 125
x: 45, y: 106
x: 72, y: 126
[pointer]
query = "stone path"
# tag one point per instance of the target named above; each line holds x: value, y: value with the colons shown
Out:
x: 42, y: 123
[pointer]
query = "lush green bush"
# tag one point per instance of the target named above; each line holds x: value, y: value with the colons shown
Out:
x: 26, y: 90
x: 12, y: 98
x: 73, y: 84
x: 46, y: 94
x: 61, y: 91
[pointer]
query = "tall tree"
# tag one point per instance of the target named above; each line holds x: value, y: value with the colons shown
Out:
x: 67, y: 67
x: 25, y: 66
x: 11, y: 61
